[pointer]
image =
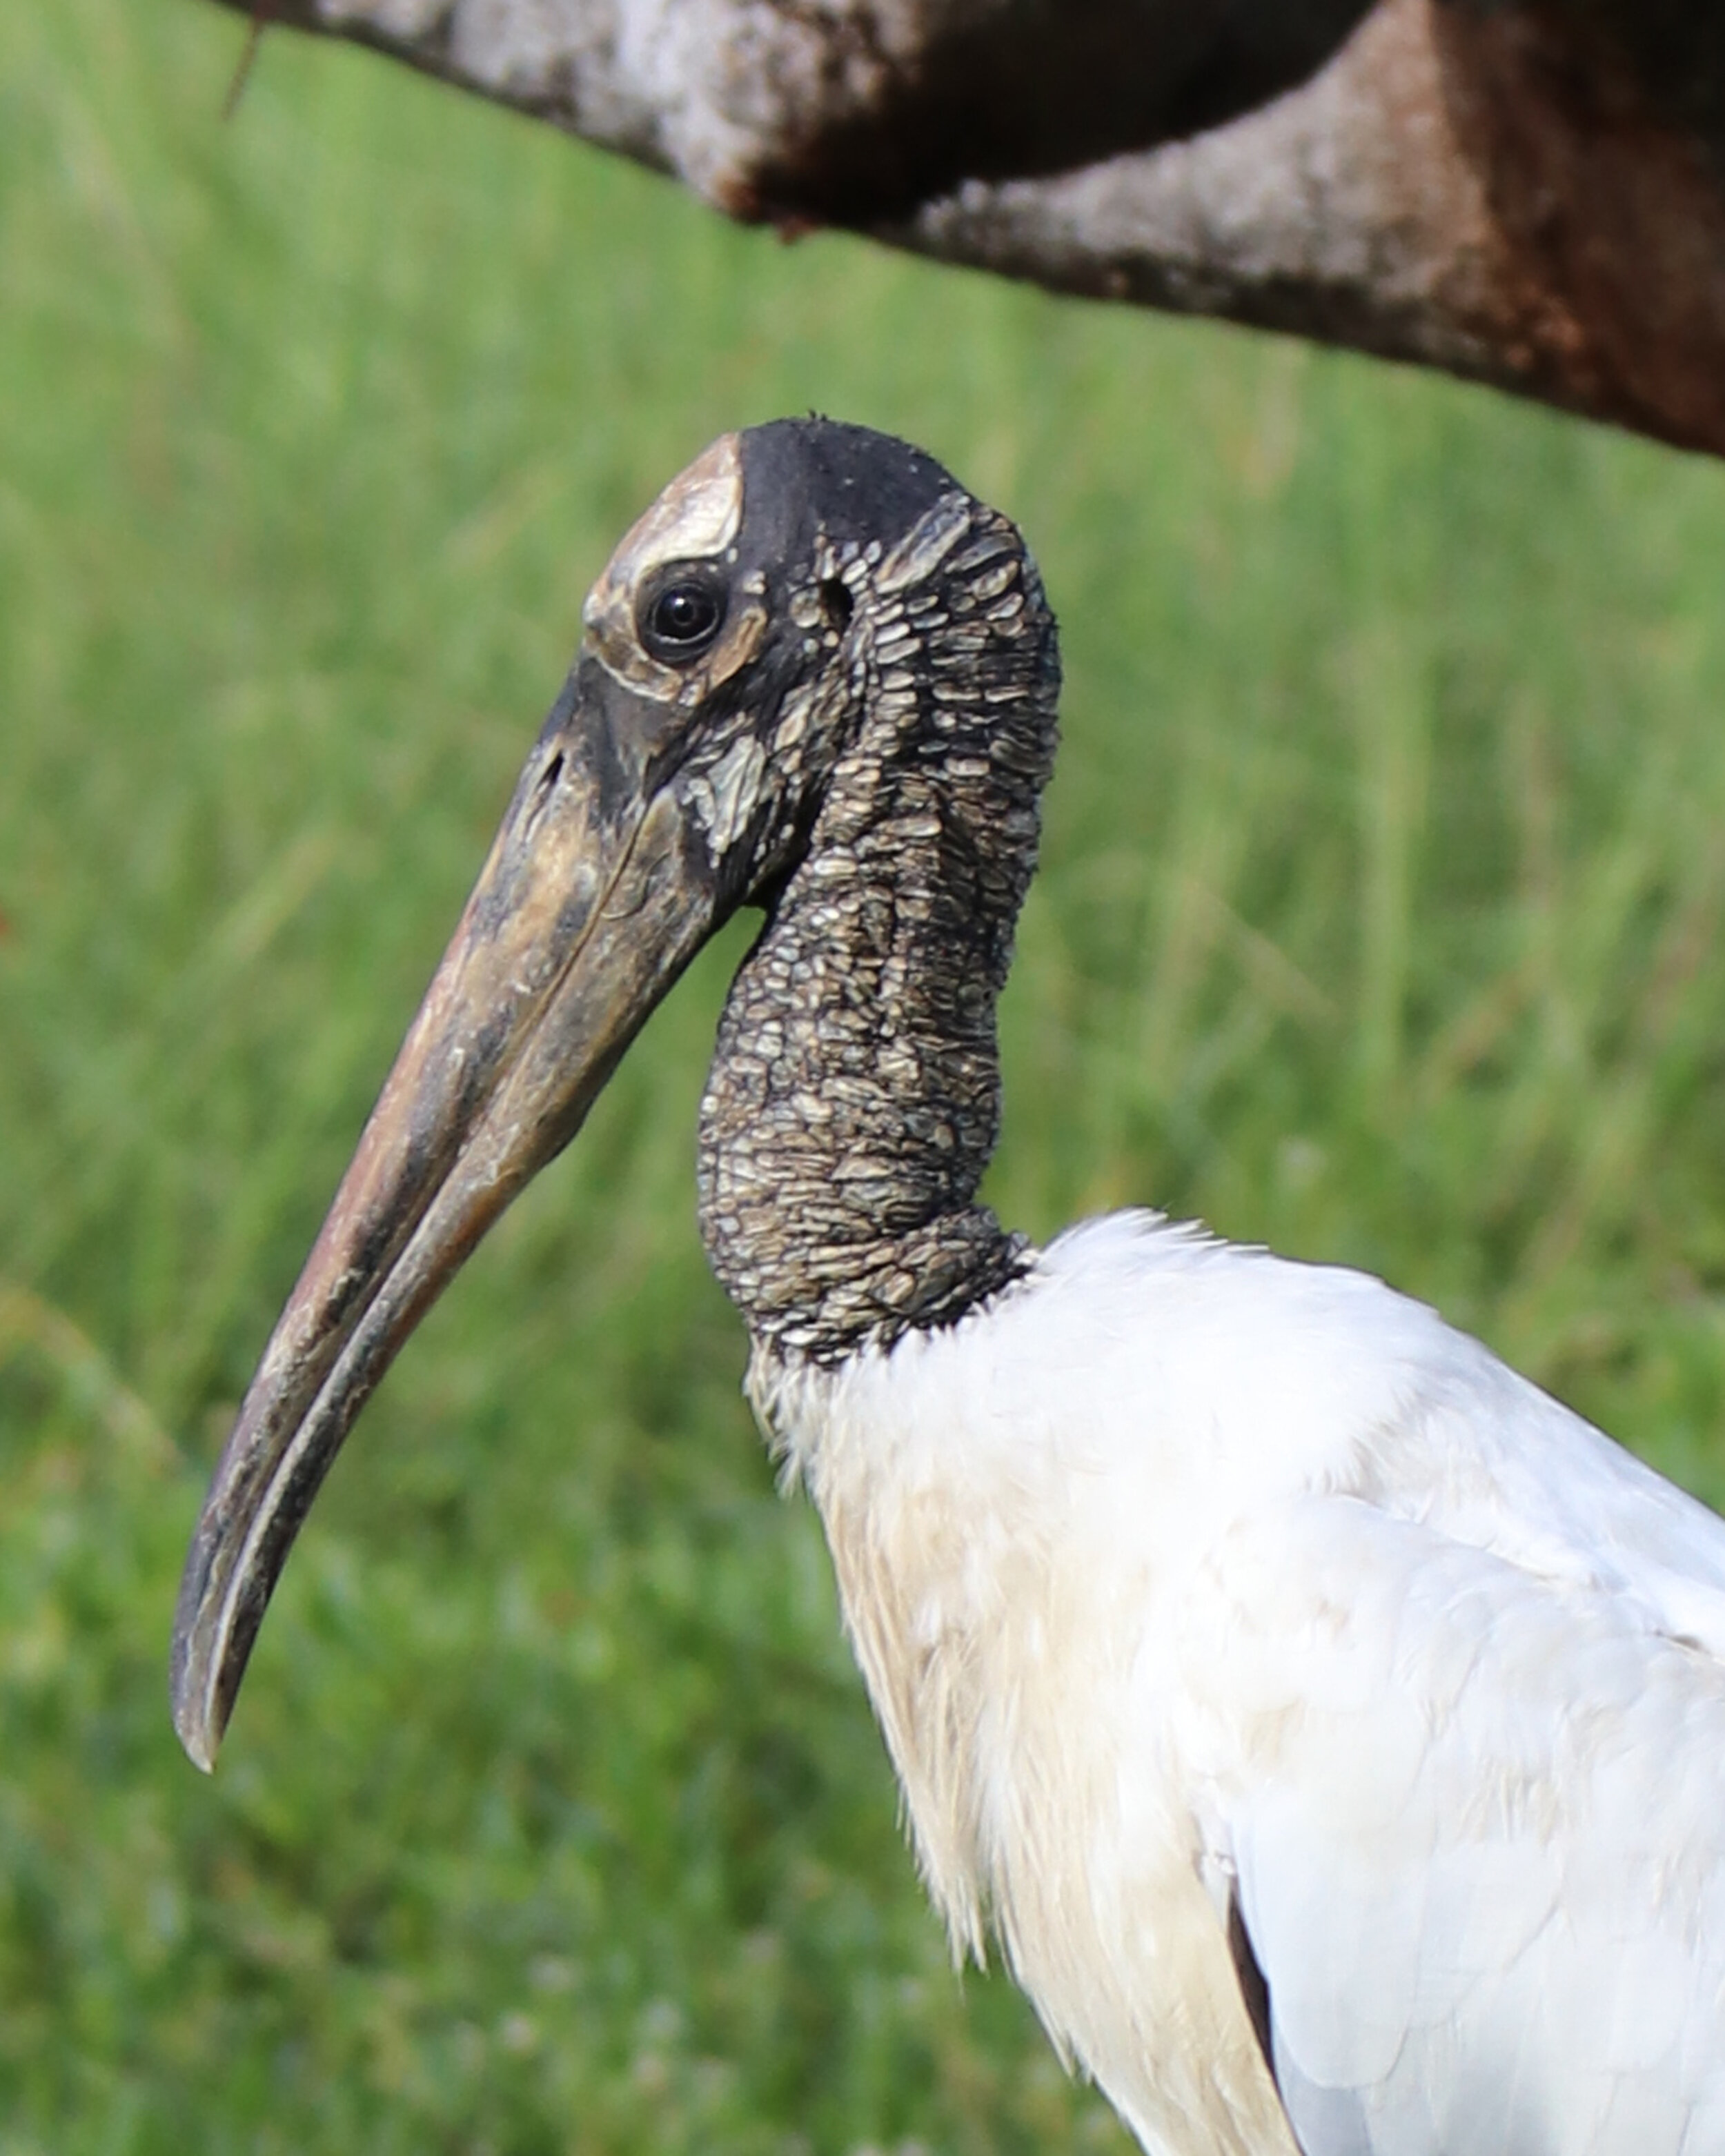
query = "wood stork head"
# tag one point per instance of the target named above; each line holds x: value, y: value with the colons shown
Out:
x: 816, y: 677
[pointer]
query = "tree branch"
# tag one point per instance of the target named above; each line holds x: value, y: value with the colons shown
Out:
x: 1526, y: 193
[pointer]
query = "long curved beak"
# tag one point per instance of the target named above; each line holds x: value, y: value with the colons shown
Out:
x: 597, y: 892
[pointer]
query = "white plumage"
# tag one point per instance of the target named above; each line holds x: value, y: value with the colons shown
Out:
x: 1185, y: 1576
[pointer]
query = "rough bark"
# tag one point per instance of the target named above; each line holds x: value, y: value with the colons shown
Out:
x: 1529, y: 192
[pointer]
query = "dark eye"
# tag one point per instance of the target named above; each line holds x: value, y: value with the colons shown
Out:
x: 682, y: 617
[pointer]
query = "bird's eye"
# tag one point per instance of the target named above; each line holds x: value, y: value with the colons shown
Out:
x: 681, y: 617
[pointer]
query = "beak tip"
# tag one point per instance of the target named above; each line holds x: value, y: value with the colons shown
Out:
x: 199, y: 1722
x: 195, y: 1698
x: 198, y: 1738
x: 204, y: 1760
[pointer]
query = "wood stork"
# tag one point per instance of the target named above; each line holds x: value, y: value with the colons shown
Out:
x: 1330, y: 1726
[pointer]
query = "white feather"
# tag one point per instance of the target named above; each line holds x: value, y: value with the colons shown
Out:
x: 1184, y: 1576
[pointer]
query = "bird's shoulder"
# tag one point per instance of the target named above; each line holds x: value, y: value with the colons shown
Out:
x: 1189, y: 1369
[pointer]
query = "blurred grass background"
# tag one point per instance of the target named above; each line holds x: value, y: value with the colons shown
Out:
x: 1380, y: 919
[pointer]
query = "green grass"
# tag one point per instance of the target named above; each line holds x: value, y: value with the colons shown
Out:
x: 1381, y: 920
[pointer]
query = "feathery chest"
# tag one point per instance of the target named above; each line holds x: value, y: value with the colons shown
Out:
x: 1009, y: 1641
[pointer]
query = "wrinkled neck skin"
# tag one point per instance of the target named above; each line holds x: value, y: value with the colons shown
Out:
x: 854, y: 1098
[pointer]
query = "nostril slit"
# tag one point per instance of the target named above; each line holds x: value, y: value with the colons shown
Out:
x: 543, y: 787
x: 837, y: 601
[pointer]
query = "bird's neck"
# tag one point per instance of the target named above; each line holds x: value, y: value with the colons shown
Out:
x: 854, y: 1099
